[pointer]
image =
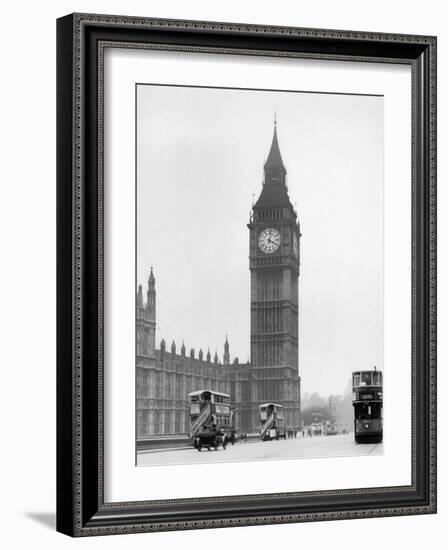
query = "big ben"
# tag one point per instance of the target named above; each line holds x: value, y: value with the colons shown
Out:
x: 275, y: 267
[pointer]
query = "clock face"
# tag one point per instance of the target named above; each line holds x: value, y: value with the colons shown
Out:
x: 269, y: 240
x: 295, y: 244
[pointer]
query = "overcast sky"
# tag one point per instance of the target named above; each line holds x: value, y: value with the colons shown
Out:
x: 200, y: 156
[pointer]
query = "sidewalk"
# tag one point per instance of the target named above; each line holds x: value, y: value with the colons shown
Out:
x: 178, y: 443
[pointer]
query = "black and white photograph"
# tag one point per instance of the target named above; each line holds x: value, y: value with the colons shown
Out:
x: 225, y: 220
x: 259, y: 274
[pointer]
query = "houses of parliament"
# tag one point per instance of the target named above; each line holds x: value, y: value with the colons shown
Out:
x: 166, y: 376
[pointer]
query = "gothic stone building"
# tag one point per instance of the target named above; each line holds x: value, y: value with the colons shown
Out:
x: 165, y: 377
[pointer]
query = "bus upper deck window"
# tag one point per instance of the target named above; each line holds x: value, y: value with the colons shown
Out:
x: 367, y: 378
x: 356, y: 379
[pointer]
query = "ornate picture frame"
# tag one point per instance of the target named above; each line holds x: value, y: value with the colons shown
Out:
x: 81, y: 506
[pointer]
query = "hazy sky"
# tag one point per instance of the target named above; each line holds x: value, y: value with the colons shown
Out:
x: 200, y: 156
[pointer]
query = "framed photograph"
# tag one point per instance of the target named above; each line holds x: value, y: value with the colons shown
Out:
x: 246, y: 274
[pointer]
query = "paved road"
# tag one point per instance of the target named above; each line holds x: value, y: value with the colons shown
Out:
x: 323, y: 446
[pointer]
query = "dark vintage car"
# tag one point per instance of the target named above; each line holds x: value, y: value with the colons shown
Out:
x: 210, y: 438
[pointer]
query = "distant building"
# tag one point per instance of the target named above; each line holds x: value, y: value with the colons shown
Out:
x: 167, y: 375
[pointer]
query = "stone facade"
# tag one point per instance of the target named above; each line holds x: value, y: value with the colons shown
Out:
x: 165, y: 377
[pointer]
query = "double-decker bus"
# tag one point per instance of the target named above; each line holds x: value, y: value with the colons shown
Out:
x: 210, y: 410
x: 367, y: 388
x: 272, y: 421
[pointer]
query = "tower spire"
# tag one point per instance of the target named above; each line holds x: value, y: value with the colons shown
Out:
x: 226, y: 357
x: 274, y: 193
x: 151, y: 294
x: 274, y: 159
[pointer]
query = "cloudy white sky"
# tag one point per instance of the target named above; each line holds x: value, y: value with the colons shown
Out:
x: 200, y: 156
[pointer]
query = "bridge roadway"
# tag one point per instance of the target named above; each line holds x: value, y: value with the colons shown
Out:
x: 302, y: 447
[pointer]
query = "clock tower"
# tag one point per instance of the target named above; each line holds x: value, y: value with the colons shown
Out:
x: 274, y: 267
